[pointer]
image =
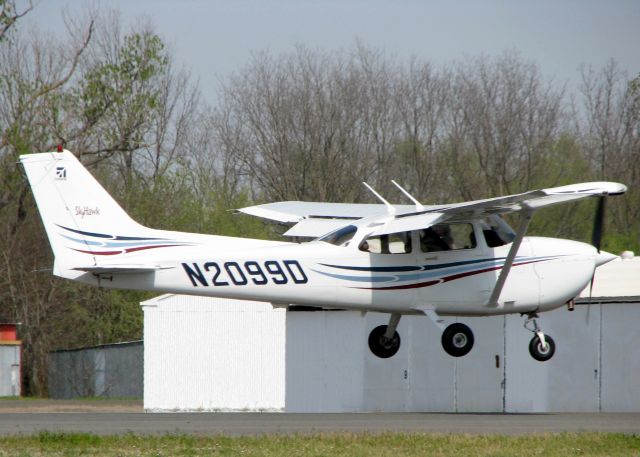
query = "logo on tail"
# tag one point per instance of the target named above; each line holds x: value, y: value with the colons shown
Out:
x: 61, y: 173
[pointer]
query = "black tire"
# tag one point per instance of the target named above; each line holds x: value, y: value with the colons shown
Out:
x: 538, y: 352
x: 457, y: 340
x: 380, y: 346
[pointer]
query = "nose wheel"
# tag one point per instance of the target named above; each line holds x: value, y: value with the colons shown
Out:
x: 541, y: 347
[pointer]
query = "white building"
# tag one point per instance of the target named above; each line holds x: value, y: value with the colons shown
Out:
x: 204, y: 354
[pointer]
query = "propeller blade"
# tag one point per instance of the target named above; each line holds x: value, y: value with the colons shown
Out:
x: 598, y: 224
x: 588, y: 315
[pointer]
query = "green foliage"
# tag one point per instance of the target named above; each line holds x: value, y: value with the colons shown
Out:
x: 8, y: 17
x: 120, y: 93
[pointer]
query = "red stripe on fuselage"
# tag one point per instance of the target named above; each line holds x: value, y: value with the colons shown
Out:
x: 125, y: 251
x: 444, y: 279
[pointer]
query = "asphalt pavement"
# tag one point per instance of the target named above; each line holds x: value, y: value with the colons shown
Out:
x: 235, y: 424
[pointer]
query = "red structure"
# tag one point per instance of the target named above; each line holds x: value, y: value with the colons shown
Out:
x: 8, y: 332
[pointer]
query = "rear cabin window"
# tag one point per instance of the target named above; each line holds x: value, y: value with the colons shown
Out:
x: 393, y: 243
x: 447, y: 237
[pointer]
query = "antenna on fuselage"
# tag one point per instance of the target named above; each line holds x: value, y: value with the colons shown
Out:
x: 390, y: 209
x: 419, y: 206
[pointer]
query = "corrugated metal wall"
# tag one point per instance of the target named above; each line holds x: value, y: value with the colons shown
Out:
x: 109, y: 371
x: 330, y: 367
x: 206, y: 354
x: 9, y: 370
x: 620, y: 362
x: 204, y: 357
x: 570, y: 380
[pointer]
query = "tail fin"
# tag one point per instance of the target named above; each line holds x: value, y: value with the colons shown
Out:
x: 81, y: 219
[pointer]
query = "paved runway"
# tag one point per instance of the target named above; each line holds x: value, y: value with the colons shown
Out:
x: 235, y: 424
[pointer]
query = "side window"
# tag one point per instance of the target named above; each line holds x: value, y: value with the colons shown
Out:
x: 394, y: 243
x: 447, y: 237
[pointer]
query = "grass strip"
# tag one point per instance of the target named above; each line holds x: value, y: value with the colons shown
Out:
x: 340, y: 444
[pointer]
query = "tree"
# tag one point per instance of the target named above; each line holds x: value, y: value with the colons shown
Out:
x: 32, y: 73
x: 115, y: 101
x: 9, y: 15
x: 611, y: 142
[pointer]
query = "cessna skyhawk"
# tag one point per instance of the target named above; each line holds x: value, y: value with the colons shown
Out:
x: 460, y: 259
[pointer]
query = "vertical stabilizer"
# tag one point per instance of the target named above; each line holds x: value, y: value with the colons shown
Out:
x: 81, y: 219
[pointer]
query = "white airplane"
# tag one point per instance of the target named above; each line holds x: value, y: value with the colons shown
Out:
x: 445, y: 260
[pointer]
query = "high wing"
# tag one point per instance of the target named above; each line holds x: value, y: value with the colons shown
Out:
x: 313, y: 219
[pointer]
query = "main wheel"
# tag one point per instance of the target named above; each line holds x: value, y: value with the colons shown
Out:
x: 381, y: 346
x: 538, y: 351
x: 457, y: 340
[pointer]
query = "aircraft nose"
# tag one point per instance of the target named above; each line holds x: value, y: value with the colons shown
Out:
x: 604, y: 257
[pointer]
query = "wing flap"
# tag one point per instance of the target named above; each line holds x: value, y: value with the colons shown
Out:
x: 315, y: 227
x: 409, y: 223
x: 293, y: 211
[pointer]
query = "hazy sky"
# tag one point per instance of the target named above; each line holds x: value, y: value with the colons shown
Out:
x: 215, y: 38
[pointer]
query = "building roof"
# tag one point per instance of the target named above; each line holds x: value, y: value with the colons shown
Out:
x: 618, y: 278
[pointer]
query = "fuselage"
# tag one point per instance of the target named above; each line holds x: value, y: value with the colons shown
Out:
x: 399, y: 275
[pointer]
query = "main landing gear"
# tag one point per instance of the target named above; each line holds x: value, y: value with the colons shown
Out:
x: 542, y: 347
x: 384, y: 341
x: 457, y: 339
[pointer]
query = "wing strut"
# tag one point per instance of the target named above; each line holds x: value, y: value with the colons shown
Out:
x: 419, y: 206
x: 525, y: 218
x: 390, y: 209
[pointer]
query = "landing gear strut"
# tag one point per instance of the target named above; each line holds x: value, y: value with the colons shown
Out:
x: 457, y: 339
x: 384, y: 341
x: 542, y: 347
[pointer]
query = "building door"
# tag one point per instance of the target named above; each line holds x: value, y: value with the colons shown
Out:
x: 15, y: 380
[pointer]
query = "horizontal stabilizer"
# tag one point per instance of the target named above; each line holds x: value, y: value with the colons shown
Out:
x: 120, y: 269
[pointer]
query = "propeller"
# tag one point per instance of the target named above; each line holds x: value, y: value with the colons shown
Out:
x: 596, y: 241
x: 598, y: 224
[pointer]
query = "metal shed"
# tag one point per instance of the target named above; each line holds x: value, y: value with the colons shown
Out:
x: 108, y: 371
x: 10, y: 361
x: 204, y: 354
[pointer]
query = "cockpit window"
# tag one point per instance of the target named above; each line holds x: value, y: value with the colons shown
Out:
x: 447, y: 237
x: 341, y: 236
x: 496, y: 232
x: 393, y: 243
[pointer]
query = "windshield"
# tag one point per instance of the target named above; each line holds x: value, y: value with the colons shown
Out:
x: 341, y: 236
x: 496, y: 231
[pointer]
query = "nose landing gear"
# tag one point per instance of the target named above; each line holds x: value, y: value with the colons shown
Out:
x: 542, y: 347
